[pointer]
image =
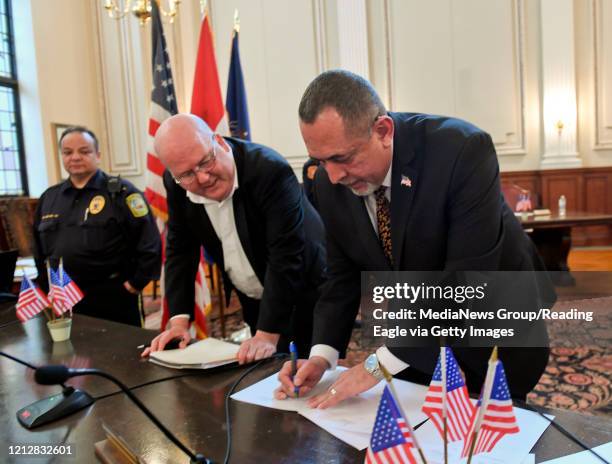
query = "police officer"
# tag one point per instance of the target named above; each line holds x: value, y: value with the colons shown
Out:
x: 102, y: 228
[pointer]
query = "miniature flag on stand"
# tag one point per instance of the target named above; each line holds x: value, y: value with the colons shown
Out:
x: 56, y: 295
x: 72, y: 293
x: 494, y: 416
x: 31, y: 300
x: 391, y: 441
x: 452, y: 402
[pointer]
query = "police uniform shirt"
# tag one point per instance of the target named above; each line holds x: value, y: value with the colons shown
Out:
x: 98, y: 234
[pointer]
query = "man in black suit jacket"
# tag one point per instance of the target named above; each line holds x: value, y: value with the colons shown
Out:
x: 423, y: 195
x: 243, y: 203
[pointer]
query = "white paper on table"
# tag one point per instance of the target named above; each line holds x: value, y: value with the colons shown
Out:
x: 357, y: 415
x: 350, y: 421
x: 585, y: 457
x: 512, y: 448
x: 262, y: 392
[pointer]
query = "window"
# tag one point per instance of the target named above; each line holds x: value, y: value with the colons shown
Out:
x: 13, y: 180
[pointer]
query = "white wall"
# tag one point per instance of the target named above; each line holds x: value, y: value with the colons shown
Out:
x: 477, y: 59
x: 58, y: 78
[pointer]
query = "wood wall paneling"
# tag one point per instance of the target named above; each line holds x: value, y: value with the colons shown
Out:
x: 586, y: 189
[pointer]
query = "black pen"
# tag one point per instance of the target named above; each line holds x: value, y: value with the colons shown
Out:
x: 294, y: 358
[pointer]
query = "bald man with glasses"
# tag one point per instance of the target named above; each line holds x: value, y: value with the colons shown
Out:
x: 243, y: 203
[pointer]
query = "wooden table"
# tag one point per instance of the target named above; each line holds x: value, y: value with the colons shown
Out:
x: 552, y: 234
x: 193, y: 407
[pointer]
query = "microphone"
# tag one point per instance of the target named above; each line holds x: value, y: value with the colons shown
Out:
x: 57, y: 374
x: 53, y: 408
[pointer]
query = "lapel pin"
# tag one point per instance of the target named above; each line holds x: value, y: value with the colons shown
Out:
x: 406, y: 182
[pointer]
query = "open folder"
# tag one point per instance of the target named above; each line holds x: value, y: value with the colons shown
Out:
x: 204, y: 354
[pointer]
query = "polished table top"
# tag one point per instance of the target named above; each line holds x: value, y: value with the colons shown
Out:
x: 193, y: 407
x: 571, y: 219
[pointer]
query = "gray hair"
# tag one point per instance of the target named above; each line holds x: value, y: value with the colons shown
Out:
x: 350, y: 95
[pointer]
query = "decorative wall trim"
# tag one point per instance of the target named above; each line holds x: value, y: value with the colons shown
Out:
x: 603, y: 141
x: 121, y: 75
x: 388, y: 54
x: 520, y: 49
x: 319, y: 22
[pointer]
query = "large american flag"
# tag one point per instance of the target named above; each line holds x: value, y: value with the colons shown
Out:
x: 391, y: 440
x: 163, y: 105
x: 31, y: 300
x: 498, y: 418
x: 459, y: 408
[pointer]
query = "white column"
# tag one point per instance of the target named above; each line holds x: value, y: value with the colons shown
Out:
x: 559, y: 85
x: 353, y: 36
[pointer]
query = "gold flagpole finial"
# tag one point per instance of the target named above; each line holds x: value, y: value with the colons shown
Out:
x: 493, y: 355
x: 236, y: 20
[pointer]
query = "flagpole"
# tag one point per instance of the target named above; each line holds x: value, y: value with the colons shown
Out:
x: 61, y: 276
x: 389, y: 378
x: 444, y: 393
x: 486, y: 394
x: 236, y: 21
x: 49, y: 281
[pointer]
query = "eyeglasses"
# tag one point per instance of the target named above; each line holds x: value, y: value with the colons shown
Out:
x: 205, y: 165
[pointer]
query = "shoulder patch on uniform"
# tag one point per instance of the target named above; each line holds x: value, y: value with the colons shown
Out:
x: 137, y: 205
x: 96, y: 204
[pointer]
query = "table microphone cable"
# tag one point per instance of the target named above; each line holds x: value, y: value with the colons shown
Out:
x: 6, y: 324
x: 230, y: 392
x: 563, y: 431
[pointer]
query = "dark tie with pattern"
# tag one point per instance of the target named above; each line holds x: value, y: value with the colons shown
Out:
x: 383, y: 220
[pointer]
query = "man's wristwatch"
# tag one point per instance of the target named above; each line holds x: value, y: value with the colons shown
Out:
x: 372, y: 365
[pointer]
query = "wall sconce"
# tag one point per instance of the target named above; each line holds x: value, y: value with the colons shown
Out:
x: 141, y: 9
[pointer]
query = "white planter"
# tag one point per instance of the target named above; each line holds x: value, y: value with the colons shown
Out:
x: 60, y: 329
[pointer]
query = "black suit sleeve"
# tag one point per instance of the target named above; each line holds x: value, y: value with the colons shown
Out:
x: 280, y: 199
x: 474, y: 208
x: 337, y: 307
x: 182, y: 253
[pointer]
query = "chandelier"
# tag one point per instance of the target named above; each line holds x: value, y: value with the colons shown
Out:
x: 141, y: 9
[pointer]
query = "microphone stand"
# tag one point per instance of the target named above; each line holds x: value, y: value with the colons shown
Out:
x: 195, y: 458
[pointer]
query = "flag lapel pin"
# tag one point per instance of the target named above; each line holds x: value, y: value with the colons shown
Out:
x: 406, y: 182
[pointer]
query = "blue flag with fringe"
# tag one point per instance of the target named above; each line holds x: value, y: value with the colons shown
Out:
x: 236, y: 101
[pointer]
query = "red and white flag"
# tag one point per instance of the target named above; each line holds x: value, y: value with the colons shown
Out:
x: 163, y: 105
x: 494, y: 417
x: 31, y: 300
x: 448, y: 397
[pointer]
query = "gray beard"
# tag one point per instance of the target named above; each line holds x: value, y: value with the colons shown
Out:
x: 368, y: 191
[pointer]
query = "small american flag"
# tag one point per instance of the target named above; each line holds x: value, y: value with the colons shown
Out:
x: 391, y: 441
x: 459, y: 408
x: 406, y: 182
x: 72, y: 292
x: 498, y: 418
x: 31, y: 300
x: 57, y: 296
